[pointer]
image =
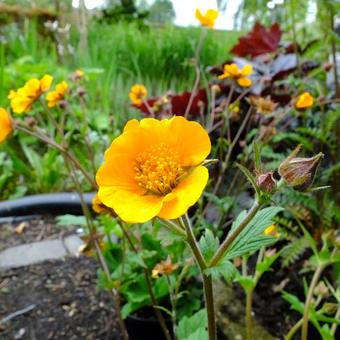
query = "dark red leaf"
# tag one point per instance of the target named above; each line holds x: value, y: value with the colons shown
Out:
x: 259, y: 41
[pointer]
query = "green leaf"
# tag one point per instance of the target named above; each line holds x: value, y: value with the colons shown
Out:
x: 251, y: 237
x: 247, y: 282
x: 250, y: 178
x: 194, y: 327
x: 266, y: 263
x: 223, y: 269
x: 257, y: 156
x: 65, y: 220
x: 208, y: 244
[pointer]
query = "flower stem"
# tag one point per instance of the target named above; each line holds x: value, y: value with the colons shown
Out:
x: 209, y: 305
x: 153, y: 299
x: 293, y: 330
x: 315, y: 279
x: 249, y: 321
x: 229, y: 240
x: 207, y: 280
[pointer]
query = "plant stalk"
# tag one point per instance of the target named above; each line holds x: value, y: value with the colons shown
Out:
x: 249, y: 319
x: 209, y: 305
x: 315, y: 279
x: 207, y: 280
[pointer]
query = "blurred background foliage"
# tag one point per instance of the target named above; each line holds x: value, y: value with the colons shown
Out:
x: 122, y: 43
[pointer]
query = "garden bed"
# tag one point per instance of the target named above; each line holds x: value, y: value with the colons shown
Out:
x: 60, y: 295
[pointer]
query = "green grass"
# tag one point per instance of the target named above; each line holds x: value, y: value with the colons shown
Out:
x: 117, y: 56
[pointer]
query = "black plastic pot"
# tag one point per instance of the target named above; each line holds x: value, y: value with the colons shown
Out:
x: 143, y: 328
x: 55, y: 204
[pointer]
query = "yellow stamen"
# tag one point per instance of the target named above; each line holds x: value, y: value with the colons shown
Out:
x: 158, y: 169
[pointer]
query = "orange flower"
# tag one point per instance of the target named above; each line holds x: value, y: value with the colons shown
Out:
x: 207, y: 19
x: 57, y: 95
x: 137, y: 94
x: 154, y: 169
x: 6, y: 125
x: 23, y: 99
x: 240, y: 75
x: 304, y: 101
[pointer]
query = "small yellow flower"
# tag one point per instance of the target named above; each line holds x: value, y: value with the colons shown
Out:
x: 271, y: 231
x: 57, y: 95
x: 207, y: 19
x: 137, y: 94
x: 154, y: 169
x: 304, y: 101
x: 98, y: 206
x: 164, y: 268
x: 6, y: 125
x: 240, y: 75
x: 23, y: 99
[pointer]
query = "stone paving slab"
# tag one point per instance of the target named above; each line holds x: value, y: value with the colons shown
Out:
x: 27, y: 254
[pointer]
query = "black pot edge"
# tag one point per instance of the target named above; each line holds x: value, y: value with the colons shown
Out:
x: 53, y: 203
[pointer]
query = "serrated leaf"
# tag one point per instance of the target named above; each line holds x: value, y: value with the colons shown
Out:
x: 251, y: 237
x: 189, y: 327
x: 223, y: 269
x: 208, y: 244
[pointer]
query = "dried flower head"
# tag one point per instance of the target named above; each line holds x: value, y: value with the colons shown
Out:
x: 164, y: 268
x: 263, y: 106
x: 299, y: 172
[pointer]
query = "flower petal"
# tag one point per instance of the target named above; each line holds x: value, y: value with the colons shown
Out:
x: 244, y: 82
x: 131, y: 207
x: 45, y: 82
x: 185, y: 194
x: 190, y: 140
x: 247, y: 70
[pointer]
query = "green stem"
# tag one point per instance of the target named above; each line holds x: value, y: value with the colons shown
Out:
x: 229, y: 240
x: 293, y: 330
x: 335, y: 326
x: 209, y: 305
x: 192, y: 242
x: 207, y: 280
x: 249, y: 319
x: 315, y: 279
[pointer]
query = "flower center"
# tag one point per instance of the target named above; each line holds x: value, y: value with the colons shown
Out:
x: 158, y: 169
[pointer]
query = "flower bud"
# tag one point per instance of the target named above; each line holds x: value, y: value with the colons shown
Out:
x: 266, y: 182
x: 299, y: 172
x: 321, y: 290
x: 329, y: 308
x: 81, y: 91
